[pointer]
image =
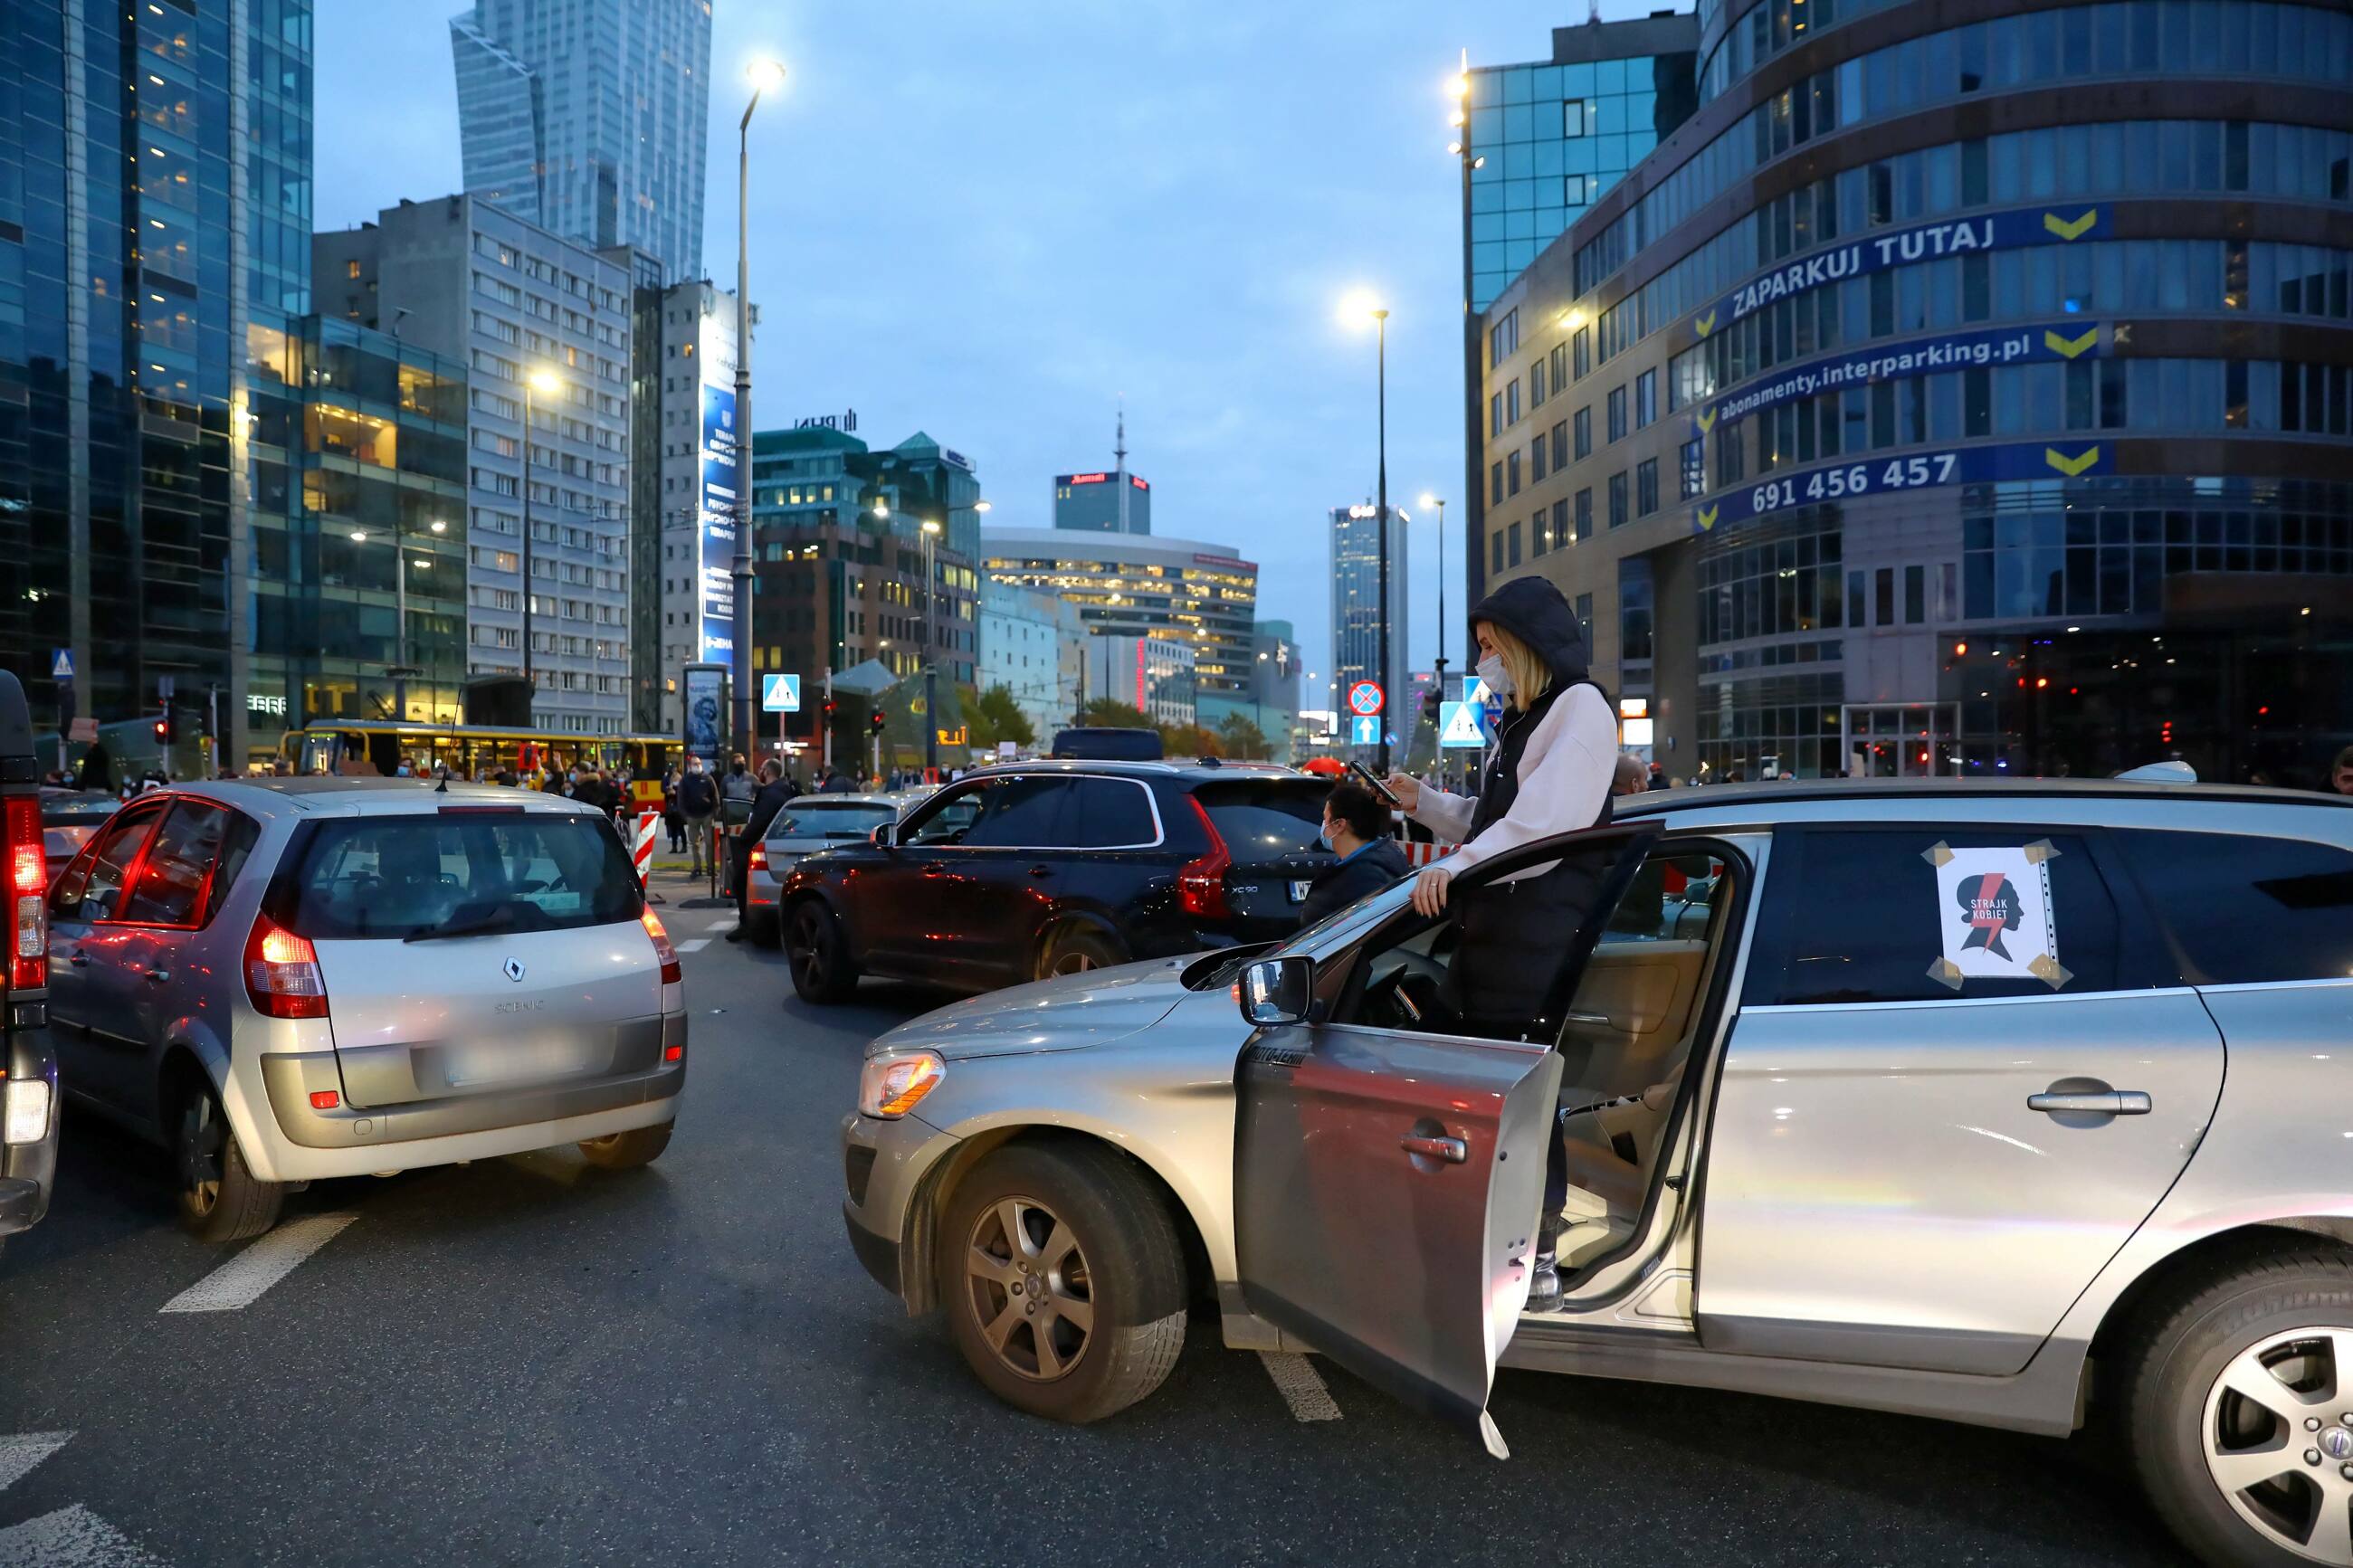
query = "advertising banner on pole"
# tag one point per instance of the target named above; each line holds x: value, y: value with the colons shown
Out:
x: 703, y: 687
x: 715, y: 589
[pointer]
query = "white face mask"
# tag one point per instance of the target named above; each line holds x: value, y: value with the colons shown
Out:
x: 1498, y: 678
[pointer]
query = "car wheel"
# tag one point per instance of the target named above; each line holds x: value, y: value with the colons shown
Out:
x: 626, y: 1151
x: 1074, y: 950
x: 818, y: 958
x: 2241, y: 1411
x: 220, y: 1198
x: 1064, y: 1280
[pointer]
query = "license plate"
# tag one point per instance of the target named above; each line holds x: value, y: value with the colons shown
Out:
x: 1299, y: 891
x: 501, y: 1063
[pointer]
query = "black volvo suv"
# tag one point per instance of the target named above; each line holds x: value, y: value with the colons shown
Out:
x: 28, y: 1068
x: 1018, y: 872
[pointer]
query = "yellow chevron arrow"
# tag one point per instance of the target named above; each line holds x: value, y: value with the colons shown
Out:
x: 2074, y: 231
x: 2070, y: 347
x: 1708, y: 517
x: 1706, y: 324
x: 2072, y: 467
x: 1707, y: 422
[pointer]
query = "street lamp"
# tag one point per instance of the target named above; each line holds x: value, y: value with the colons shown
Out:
x: 931, y: 665
x: 767, y: 75
x: 545, y: 382
x: 1438, y: 503
x: 1356, y: 307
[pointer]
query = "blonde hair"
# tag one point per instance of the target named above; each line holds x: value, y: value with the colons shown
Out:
x: 1531, y: 676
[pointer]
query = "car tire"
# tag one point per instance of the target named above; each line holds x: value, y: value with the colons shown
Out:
x: 820, y: 959
x: 1074, y: 950
x: 1094, y: 1234
x: 627, y: 1151
x: 220, y: 1199
x: 2192, y: 1431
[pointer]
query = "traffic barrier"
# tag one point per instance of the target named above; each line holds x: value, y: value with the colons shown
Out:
x: 1423, y: 854
x: 641, y: 851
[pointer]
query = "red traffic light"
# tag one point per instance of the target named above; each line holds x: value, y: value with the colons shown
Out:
x: 163, y: 731
x: 874, y: 720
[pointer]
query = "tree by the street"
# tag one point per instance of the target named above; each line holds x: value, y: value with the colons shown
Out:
x: 993, y: 716
x: 1243, y: 738
x: 1111, y: 713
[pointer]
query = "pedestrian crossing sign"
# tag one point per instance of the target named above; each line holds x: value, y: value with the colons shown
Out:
x: 780, y: 693
x: 1457, y: 725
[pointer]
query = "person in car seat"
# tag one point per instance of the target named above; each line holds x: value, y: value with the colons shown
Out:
x: 1356, y: 829
x: 1551, y: 771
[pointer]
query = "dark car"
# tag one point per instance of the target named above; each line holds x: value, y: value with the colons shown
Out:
x: 1035, y: 870
x: 28, y: 1068
x: 69, y: 817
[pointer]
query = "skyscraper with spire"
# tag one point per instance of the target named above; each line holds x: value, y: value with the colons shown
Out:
x: 1110, y: 500
x: 587, y: 119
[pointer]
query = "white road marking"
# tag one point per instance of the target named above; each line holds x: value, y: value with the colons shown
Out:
x: 695, y: 945
x: 20, y: 1453
x: 239, y: 1282
x: 1300, y: 1385
x: 70, y: 1538
x: 718, y: 926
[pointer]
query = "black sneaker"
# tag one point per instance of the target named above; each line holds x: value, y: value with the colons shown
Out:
x: 735, y: 933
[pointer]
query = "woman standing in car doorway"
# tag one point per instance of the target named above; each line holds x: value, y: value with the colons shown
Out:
x: 1550, y: 772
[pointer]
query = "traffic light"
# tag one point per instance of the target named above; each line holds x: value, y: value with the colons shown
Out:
x: 874, y: 720
x: 829, y: 712
x: 163, y: 731
x: 1430, y: 701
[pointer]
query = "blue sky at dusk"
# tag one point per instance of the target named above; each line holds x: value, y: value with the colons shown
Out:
x: 990, y: 221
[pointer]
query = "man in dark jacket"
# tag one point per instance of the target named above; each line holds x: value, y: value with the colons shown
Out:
x: 697, y: 801
x: 774, y: 795
x: 1357, y: 828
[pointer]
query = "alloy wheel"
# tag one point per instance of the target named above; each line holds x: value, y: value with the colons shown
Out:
x: 1030, y: 1289
x: 1077, y: 961
x: 807, y: 951
x: 2278, y: 1433
x: 204, y: 1141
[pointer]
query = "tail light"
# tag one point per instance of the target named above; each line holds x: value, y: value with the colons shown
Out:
x: 670, y: 973
x: 28, y: 896
x: 759, y: 857
x: 755, y: 861
x: 1202, y: 883
x: 282, y: 973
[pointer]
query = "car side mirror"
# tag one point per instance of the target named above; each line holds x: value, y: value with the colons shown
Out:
x: 1279, y: 990
x: 882, y: 835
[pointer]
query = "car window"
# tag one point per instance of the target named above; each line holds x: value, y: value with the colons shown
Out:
x: 1265, y: 819
x: 391, y: 877
x: 1927, y: 913
x: 172, y: 877
x: 243, y: 832
x: 2249, y: 911
x: 1025, y: 812
x: 943, y: 819
x: 1670, y: 899
x: 89, y: 891
x: 1112, y: 814
x: 817, y: 818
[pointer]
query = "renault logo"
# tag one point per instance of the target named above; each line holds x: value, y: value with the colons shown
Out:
x: 513, y: 969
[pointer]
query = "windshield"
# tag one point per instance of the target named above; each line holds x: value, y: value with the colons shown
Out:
x: 398, y: 877
x: 819, y: 819
x: 1265, y: 819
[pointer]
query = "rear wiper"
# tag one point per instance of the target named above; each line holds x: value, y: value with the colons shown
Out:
x: 483, y: 927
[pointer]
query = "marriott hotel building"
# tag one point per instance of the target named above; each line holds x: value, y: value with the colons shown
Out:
x: 1962, y: 386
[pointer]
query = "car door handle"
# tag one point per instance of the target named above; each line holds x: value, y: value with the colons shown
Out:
x: 79, y: 961
x: 159, y: 975
x: 1593, y: 1020
x: 935, y: 871
x: 2100, y: 1102
x: 1041, y: 870
x: 1453, y: 1151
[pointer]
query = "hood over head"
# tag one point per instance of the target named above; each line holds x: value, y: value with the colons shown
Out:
x: 1534, y: 611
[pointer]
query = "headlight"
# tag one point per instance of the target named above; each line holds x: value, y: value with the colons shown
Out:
x: 892, y: 1086
x: 26, y: 1118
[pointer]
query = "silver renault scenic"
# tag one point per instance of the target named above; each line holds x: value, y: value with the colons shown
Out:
x: 2003, y: 1103
x: 289, y: 979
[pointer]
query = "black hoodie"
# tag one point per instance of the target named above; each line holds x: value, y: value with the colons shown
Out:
x: 1534, y: 611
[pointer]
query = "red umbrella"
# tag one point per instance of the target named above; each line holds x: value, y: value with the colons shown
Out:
x: 1331, y: 765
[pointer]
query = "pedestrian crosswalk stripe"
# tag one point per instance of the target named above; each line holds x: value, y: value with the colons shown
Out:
x: 695, y: 945
x: 1300, y: 1385
x: 239, y: 1282
x: 20, y: 1453
x: 72, y: 1537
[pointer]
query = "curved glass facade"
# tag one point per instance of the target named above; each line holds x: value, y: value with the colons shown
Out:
x: 1992, y: 441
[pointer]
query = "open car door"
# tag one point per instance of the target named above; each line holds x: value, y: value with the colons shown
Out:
x: 1388, y: 1163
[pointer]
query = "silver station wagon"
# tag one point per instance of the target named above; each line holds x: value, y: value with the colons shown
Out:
x: 2014, y: 1104
x: 298, y: 978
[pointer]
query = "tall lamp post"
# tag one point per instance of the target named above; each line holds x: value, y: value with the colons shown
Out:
x: 767, y: 75
x: 1359, y: 306
x: 542, y: 382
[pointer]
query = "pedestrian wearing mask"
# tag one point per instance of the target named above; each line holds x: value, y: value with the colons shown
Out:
x: 774, y: 795
x: 673, y: 819
x: 1356, y: 829
x: 697, y: 801
x: 1550, y: 772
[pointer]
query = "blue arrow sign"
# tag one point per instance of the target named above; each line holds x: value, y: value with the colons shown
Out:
x: 780, y: 693
x: 1366, y: 731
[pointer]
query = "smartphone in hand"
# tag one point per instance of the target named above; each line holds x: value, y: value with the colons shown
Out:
x: 1366, y: 777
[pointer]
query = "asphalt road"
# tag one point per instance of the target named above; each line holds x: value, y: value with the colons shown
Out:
x: 529, y: 1362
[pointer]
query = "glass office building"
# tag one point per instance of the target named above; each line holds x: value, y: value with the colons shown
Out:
x: 1963, y: 389
x: 1547, y: 138
x: 1357, y: 610
x: 154, y: 185
x: 586, y: 117
x: 1136, y: 585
